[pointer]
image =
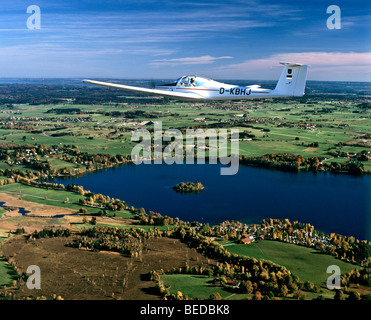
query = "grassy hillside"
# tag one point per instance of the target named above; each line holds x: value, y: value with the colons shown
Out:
x: 197, y: 287
x: 306, y: 263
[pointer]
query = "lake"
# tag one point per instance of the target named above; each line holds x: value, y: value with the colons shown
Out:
x: 332, y: 203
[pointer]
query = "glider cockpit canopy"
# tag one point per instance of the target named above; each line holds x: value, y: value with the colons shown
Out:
x: 190, y: 81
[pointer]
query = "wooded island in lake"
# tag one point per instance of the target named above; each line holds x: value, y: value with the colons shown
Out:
x: 188, y: 187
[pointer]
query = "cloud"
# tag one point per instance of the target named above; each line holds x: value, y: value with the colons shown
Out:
x: 188, y: 60
x: 347, y: 66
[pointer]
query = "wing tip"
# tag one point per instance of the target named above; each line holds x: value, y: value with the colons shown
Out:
x: 291, y: 64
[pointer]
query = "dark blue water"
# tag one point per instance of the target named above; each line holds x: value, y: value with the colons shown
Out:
x: 332, y: 203
x: 22, y: 211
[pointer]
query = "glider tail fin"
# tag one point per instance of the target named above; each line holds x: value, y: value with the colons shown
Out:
x: 292, y: 81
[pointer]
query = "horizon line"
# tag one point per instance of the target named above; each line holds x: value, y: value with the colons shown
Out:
x: 152, y: 79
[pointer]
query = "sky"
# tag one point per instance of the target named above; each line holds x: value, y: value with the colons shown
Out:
x: 148, y: 39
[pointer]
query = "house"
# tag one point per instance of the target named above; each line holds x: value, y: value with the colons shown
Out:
x: 217, y: 282
x: 216, y: 238
x: 233, y: 283
x: 245, y: 241
x: 248, y: 238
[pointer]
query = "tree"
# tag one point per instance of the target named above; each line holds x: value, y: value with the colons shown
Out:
x: 247, y: 286
x: 179, y: 295
x: 270, y: 295
x: 354, y: 295
x: 284, y: 291
x: 83, y: 210
x: 215, y: 296
x: 339, y: 295
x: 257, y: 295
x: 319, y: 245
x: 308, y: 286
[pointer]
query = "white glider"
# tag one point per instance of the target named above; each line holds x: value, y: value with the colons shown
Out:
x: 291, y: 84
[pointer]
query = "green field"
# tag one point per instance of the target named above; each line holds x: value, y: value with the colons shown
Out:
x: 197, y: 287
x: 48, y: 197
x: 279, y: 128
x: 7, y: 274
x: 306, y: 263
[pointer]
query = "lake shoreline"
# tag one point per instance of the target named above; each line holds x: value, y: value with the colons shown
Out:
x: 141, y: 190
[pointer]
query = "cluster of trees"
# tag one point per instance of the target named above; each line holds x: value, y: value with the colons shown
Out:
x: 133, y: 114
x: 64, y: 110
x: 20, y: 231
x: 39, y: 184
x: 364, y: 105
x: 100, y: 200
x: 282, y: 161
x: 295, y: 163
x: 154, y: 218
x: 4, y: 182
x: 353, y: 167
x: 352, y: 295
x: 356, y: 276
x: 189, y: 187
x: 349, y: 249
x: 247, y: 134
x: 96, y: 161
x: 42, y: 166
x: 125, y: 241
x: 6, y: 296
x: 50, y: 233
x: 14, y: 173
x: 76, y: 189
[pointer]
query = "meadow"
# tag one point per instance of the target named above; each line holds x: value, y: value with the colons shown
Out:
x: 306, y: 263
x: 58, y: 198
x: 288, y: 126
x: 7, y: 274
x: 198, y: 287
